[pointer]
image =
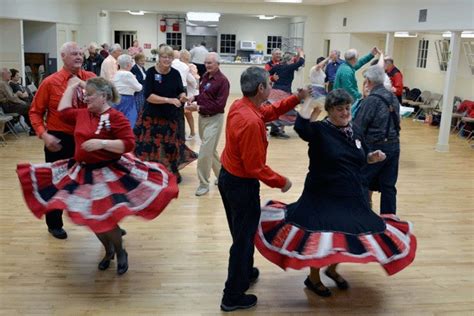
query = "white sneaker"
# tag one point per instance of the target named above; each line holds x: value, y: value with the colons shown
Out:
x: 216, y: 182
x: 201, y: 190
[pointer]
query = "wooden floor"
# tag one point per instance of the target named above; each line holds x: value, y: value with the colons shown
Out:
x: 178, y: 262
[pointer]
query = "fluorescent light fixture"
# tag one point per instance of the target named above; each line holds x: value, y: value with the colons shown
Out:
x: 464, y: 34
x: 203, y: 16
x: 405, y: 34
x: 266, y: 17
x: 136, y: 12
x: 285, y: 1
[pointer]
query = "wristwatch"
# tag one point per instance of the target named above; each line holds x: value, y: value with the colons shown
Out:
x: 103, y: 143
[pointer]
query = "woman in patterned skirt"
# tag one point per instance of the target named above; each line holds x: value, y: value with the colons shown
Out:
x: 102, y: 183
x: 157, y: 132
x: 332, y: 222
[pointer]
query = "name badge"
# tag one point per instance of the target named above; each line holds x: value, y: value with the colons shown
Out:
x: 207, y: 86
x: 358, y: 144
x: 158, y: 78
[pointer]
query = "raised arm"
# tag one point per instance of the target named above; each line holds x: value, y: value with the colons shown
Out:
x: 67, y: 99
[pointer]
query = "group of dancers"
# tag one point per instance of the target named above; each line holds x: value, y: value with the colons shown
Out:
x: 330, y: 223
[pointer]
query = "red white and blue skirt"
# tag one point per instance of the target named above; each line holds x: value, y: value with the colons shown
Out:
x: 277, y: 95
x: 290, y: 245
x: 100, y: 195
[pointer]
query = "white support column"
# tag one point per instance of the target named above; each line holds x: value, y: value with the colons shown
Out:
x: 22, y: 53
x: 448, y: 93
x: 389, y: 39
x: 103, y: 27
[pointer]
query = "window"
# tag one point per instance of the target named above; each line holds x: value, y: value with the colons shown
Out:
x: 442, y: 51
x: 422, y: 53
x: 469, y: 53
x: 272, y: 43
x: 227, y: 44
x: 125, y: 38
x: 174, y: 40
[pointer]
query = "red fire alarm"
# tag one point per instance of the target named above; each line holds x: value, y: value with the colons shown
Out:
x: 176, y: 27
x: 163, y: 25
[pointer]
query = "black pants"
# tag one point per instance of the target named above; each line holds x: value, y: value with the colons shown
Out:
x: 54, y: 218
x: 201, y: 69
x: 241, y: 198
x: 382, y: 176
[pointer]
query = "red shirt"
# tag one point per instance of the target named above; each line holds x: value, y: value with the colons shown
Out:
x: 213, y: 93
x: 245, y: 151
x: 86, y: 124
x: 269, y: 66
x: 47, y: 99
x: 397, y: 80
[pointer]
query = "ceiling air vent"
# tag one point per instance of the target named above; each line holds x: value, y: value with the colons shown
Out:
x: 344, y: 22
x: 422, y: 15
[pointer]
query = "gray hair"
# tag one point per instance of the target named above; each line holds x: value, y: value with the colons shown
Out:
x: 276, y: 50
x: 114, y: 47
x: 124, y: 60
x: 337, y: 52
x: 287, y: 57
x: 350, y: 54
x: 215, y: 56
x: 66, y: 47
x: 106, y: 87
x: 375, y: 74
x: 251, y: 78
x: 93, y: 45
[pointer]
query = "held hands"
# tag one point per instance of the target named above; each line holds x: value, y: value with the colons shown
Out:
x: 75, y: 81
x: 375, y: 51
x: 303, y: 94
x: 176, y: 102
x: 287, y: 186
x: 276, y: 77
x: 92, y: 145
x: 376, y: 156
x: 193, y: 107
x: 51, y: 142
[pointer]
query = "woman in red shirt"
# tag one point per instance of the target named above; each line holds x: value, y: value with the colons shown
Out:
x: 102, y: 183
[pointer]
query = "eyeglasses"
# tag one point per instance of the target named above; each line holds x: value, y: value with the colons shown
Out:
x: 165, y: 57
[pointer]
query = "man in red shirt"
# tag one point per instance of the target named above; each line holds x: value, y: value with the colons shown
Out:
x: 395, y: 76
x: 56, y: 134
x: 276, y: 58
x: 243, y: 166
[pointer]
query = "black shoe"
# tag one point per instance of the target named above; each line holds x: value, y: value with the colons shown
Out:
x: 318, y: 288
x: 254, y: 275
x: 122, y: 267
x: 32, y: 132
x: 242, y: 302
x: 340, y: 282
x: 281, y: 135
x: 123, y: 231
x: 179, y: 179
x: 105, y: 263
x: 58, y: 233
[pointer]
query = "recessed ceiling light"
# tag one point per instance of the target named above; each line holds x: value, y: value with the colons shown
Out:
x: 285, y: 1
x: 464, y: 34
x: 266, y: 17
x: 136, y: 12
x: 405, y: 34
x: 203, y: 16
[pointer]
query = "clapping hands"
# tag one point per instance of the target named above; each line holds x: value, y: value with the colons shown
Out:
x: 376, y: 156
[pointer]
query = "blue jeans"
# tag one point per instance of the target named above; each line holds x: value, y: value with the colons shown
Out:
x: 241, y: 198
x: 382, y: 176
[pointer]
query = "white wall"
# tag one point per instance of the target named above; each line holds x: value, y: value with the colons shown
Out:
x: 253, y: 29
x: 146, y: 27
x: 61, y: 11
x: 432, y: 78
x: 40, y: 37
x: 10, y: 37
x: 401, y: 15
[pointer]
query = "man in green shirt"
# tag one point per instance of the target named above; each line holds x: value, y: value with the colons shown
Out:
x: 345, y: 76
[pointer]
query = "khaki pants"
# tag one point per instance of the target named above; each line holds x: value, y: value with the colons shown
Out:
x: 210, y: 129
